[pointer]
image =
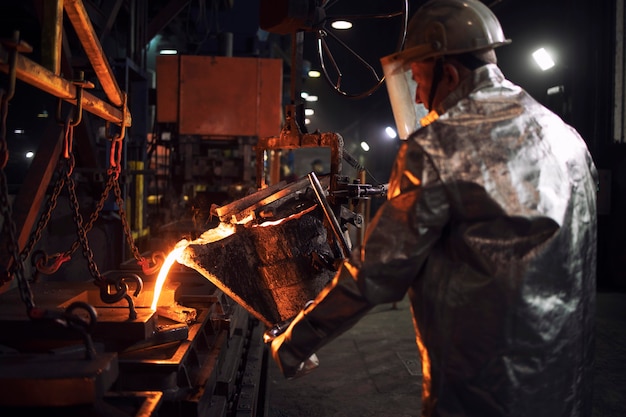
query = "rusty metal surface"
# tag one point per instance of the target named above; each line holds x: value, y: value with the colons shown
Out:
x: 135, y: 403
x: 195, y: 368
x: 261, y: 202
x: 36, y: 75
x: 52, y: 35
x: 197, y: 375
x: 167, y: 88
x: 114, y: 328
x: 112, y: 404
x: 221, y: 96
x: 77, y: 14
x: 55, y: 380
x: 273, y: 270
x: 292, y: 138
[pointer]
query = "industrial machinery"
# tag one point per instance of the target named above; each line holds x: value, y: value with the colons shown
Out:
x: 129, y: 338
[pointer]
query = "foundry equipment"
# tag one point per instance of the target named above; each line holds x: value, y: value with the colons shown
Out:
x: 121, y: 345
x: 288, y: 239
x: 74, y: 348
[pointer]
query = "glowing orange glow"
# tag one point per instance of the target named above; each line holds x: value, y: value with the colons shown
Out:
x: 222, y: 231
x: 165, y: 269
x: 293, y: 216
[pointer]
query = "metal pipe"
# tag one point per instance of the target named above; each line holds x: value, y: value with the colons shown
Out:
x: 44, y: 79
x: 77, y: 14
x: 330, y: 215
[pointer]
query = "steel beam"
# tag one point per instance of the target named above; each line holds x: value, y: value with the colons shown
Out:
x: 77, y: 14
x: 36, y: 75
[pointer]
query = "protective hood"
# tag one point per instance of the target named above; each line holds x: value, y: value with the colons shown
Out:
x: 401, y: 90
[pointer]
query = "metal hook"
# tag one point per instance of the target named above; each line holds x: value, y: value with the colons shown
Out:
x: 119, y: 136
x: 40, y: 260
x: 80, y: 85
x: 116, y: 280
x: 69, y: 319
x: 153, y: 265
x: 82, y: 326
x: 14, y: 45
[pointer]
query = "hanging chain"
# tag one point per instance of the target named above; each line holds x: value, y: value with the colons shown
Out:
x: 75, y: 207
x: 6, y: 210
x: 115, y: 169
x: 8, y: 227
x: 129, y: 236
x: 44, y: 219
x: 80, y: 228
x: 105, y: 284
x: 115, y: 164
x: 94, y: 215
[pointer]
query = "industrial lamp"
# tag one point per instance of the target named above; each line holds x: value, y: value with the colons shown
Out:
x: 543, y: 59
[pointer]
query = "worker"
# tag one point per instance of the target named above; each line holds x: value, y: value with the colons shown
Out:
x: 489, y: 226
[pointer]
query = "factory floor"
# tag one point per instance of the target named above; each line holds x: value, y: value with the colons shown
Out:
x: 373, y: 369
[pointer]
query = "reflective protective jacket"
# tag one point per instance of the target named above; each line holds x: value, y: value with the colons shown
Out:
x: 490, y: 226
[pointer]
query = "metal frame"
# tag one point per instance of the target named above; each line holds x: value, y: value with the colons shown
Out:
x: 46, y: 78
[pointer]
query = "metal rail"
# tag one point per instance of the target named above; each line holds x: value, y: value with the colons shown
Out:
x: 46, y: 80
x: 36, y: 75
x: 77, y: 14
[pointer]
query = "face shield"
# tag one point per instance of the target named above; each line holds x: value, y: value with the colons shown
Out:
x: 401, y: 90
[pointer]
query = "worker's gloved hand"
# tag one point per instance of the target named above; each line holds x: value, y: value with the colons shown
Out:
x: 289, y: 366
x: 276, y: 330
x: 284, y: 356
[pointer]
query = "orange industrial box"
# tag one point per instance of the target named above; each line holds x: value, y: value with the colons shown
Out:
x: 220, y: 96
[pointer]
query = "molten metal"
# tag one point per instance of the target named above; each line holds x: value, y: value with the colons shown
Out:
x: 167, y: 264
x: 211, y: 235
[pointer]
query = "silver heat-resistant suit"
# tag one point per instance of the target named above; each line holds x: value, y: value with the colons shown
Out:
x: 490, y: 226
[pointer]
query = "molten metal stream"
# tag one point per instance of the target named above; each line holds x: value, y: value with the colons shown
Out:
x: 220, y: 232
x: 165, y: 269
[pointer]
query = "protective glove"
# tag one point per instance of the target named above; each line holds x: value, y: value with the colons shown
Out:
x: 276, y: 338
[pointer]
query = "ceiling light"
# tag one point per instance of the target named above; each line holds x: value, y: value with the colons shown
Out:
x: 557, y: 89
x: 315, y: 74
x: 168, y: 52
x: 341, y: 24
x: 29, y: 154
x: 543, y: 59
x: 304, y: 95
x: 391, y: 132
x: 311, y: 98
x: 365, y: 146
x: 309, y: 112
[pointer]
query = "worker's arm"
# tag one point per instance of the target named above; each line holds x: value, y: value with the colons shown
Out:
x: 398, y: 241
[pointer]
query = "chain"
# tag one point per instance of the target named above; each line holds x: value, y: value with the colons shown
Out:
x: 4, y: 110
x: 94, y: 215
x: 115, y: 167
x: 9, y: 228
x: 127, y: 231
x: 44, y: 219
x: 8, y: 225
x: 80, y: 228
x: 75, y: 206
